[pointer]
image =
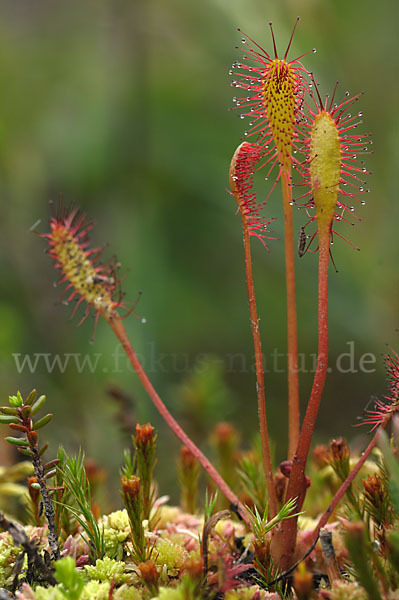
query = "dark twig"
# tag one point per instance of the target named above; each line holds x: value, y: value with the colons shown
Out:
x: 38, y: 570
x: 208, y: 526
x: 48, y: 505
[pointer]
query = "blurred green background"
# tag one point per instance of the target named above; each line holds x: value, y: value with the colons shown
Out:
x: 122, y: 107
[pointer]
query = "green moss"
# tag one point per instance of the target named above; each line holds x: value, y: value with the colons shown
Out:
x: 114, y: 542
x: 186, y: 590
x: 170, y: 555
x: 170, y: 594
x: 117, y: 520
x: 116, y: 532
x: 16, y: 472
x: 52, y: 593
x: 107, y: 569
x: 167, y: 514
x: 247, y: 593
x: 126, y: 592
x: 95, y: 590
x: 8, y: 555
x: 347, y: 591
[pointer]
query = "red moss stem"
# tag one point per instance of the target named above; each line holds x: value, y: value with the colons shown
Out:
x: 120, y: 332
x: 296, y: 484
x: 260, y: 382
x: 292, y: 333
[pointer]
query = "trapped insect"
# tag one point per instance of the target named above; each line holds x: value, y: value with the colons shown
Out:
x: 302, y: 242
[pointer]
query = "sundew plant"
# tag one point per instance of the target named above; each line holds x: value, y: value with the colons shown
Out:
x: 307, y: 527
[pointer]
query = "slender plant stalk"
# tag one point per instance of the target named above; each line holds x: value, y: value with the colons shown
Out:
x: 240, y: 177
x: 296, y: 485
x: 100, y: 288
x: 292, y: 333
x: 278, y: 88
x: 120, y: 332
x: 347, y: 483
x: 260, y: 383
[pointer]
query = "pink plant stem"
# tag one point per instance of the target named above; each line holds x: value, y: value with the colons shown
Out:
x: 348, y: 481
x: 120, y: 332
x: 293, y: 384
x: 260, y: 383
x: 296, y: 485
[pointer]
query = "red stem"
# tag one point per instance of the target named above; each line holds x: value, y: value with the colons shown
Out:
x: 260, y: 382
x: 346, y: 484
x: 120, y: 332
x: 296, y: 485
x: 349, y: 480
x: 293, y: 384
